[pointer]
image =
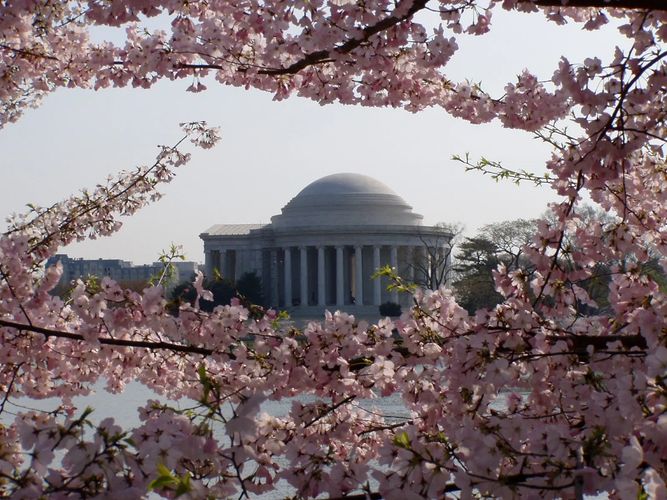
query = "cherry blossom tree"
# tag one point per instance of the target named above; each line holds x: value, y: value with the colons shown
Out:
x: 529, y: 398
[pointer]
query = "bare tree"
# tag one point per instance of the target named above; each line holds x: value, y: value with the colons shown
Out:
x: 431, y: 264
x: 510, y: 237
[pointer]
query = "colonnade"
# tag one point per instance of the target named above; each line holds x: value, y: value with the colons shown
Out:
x: 323, y: 275
x: 341, y: 275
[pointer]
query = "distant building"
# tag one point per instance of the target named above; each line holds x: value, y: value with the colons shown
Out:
x: 322, y: 250
x: 185, y: 270
x: 118, y: 270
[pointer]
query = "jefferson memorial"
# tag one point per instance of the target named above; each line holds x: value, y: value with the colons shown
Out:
x: 321, y: 251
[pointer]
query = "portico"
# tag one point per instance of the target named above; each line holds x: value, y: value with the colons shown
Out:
x: 340, y: 275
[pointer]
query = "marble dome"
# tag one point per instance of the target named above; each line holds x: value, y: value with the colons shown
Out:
x: 346, y: 199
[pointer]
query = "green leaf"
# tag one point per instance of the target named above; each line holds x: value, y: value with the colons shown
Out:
x: 165, y: 479
x: 86, y: 412
x: 402, y: 440
x: 203, y: 376
x: 161, y: 482
x: 205, y: 382
x: 184, y: 485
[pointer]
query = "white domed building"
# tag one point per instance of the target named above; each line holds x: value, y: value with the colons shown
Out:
x: 322, y: 249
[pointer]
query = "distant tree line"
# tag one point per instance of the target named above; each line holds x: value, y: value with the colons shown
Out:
x: 476, y: 258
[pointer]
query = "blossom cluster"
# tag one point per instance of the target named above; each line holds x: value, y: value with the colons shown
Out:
x: 548, y: 393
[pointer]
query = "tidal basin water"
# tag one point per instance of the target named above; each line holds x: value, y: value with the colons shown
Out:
x: 123, y: 408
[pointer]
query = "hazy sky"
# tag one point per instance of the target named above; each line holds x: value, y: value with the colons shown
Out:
x: 271, y: 150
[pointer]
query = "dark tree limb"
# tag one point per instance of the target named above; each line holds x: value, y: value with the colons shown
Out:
x: 326, y: 55
x: 144, y: 344
x: 603, y: 4
x: 322, y: 56
x: 580, y: 343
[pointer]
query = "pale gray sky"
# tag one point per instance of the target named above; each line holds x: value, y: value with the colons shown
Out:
x: 271, y: 150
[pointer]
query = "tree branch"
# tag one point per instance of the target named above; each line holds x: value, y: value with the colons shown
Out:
x: 322, y: 56
x: 328, y: 410
x: 602, y: 4
x: 142, y: 344
x: 579, y: 343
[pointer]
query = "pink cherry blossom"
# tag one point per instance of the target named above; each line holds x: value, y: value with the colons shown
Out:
x: 534, y: 398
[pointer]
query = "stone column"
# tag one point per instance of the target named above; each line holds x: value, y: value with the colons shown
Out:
x: 412, y: 259
x: 303, y: 255
x: 275, y: 295
x: 377, y: 283
x: 439, y: 262
x: 448, y: 263
x: 340, y: 281
x: 208, y: 269
x: 393, y: 260
x: 321, y: 290
x: 226, y: 264
x: 359, y: 275
x: 421, y: 261
x: 217, y: 258
x: 288, y: 276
